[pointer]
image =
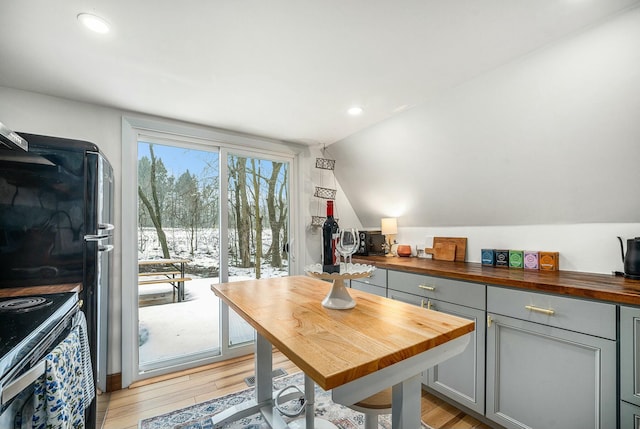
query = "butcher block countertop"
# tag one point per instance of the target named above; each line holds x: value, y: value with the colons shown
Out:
x: 334, y: 347
x: 40, y: 290
x: 603, y: 287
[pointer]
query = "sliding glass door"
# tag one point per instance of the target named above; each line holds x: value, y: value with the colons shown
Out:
x: 189, y: 238
x: 258, y: 226
x: 178, y: 253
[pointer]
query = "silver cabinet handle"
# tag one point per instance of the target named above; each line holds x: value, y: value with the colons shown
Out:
x: 427, y: 287
x: 546, y: 311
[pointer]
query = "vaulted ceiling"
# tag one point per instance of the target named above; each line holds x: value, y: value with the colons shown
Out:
x: 285, y: 69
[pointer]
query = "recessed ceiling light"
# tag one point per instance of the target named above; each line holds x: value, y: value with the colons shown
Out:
x: 355, y: 111
x: 94, y: 23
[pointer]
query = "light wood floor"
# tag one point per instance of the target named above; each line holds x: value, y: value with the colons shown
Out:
x: 175, y: 391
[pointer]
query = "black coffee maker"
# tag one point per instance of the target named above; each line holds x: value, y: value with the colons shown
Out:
x: 632, y: 258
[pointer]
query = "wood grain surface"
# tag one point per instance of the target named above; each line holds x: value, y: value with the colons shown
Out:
x: 442, y: 251
x: 40, y: 290
x: 602, y: 287
x: 461, y: 246
x: 334, y: 347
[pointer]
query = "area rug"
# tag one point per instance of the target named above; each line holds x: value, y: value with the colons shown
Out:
x: 198, y: 416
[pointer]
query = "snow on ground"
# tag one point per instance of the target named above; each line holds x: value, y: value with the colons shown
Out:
x: 174, y: 329
x: 191, y: 326
x: 169, y: 330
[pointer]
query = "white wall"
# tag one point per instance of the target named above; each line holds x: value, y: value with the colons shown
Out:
x: 583, y: 247
x: 551, y: 140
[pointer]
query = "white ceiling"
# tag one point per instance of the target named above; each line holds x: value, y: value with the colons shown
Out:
x: 285, y: 69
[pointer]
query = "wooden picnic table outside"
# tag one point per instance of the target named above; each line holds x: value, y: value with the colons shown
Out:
x: 169, y: 269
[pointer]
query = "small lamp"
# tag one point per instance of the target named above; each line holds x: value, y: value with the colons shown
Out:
x: 389, y: 228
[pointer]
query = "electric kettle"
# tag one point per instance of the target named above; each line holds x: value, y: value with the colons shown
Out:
x: 632, y: 258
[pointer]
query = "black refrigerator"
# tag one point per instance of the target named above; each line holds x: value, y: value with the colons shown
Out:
x: 56, y: 227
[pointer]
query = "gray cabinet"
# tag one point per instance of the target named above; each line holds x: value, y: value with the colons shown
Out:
x: 551, y: 361
x: 462, y: 377
x: 454, y: 291
x: 375, y: 284
x: 629, y: 416
x: 629, y: 367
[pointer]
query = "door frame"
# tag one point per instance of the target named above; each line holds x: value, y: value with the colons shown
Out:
x: 226, y: 142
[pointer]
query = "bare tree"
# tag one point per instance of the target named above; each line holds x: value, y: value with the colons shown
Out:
x: 277, y: 212
x: 238, y: 174
x: 255, y: 175
x: 153, y: 206
x: 190, y: 202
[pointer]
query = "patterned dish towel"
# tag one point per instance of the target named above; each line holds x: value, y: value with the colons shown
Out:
x: 59, y: 393
x: 80, y: 321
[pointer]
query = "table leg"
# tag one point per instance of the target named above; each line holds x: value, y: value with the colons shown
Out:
x: 406, y: 404
x: 181, y: 284
x: 263, y: 367
x: 263, y: 401
x: 310, y: 400
x: 310, y: 420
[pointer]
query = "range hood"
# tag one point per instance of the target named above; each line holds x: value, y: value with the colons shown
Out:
x: 14, y: 151
x: 12, y: 141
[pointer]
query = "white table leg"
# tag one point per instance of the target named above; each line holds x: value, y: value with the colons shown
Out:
x: 310, y: 420
x: 406, y: 404
x: 263, y: 401
x: 263, y: 366
x: 310, y: 400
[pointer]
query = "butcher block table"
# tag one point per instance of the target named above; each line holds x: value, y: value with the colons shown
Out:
x: 354, y: 353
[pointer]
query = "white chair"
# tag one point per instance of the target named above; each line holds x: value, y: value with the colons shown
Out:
x: 373, y: 406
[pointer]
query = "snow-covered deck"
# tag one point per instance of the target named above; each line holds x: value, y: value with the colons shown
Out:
x: 169, y: 329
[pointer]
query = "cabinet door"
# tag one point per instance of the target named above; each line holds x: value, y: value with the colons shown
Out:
x: 461, y: 377
x: 544, y: 377
x: 630, y: 354
x: 629, y: 416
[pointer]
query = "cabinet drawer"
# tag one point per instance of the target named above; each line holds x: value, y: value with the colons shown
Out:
x: 376, y: 290
x: 593, y: 318
x: 377, y: 278
x: 407, y: 298
x: 455, y: 291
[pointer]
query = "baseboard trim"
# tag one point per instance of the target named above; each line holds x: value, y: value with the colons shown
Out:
x: 114, y: 382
